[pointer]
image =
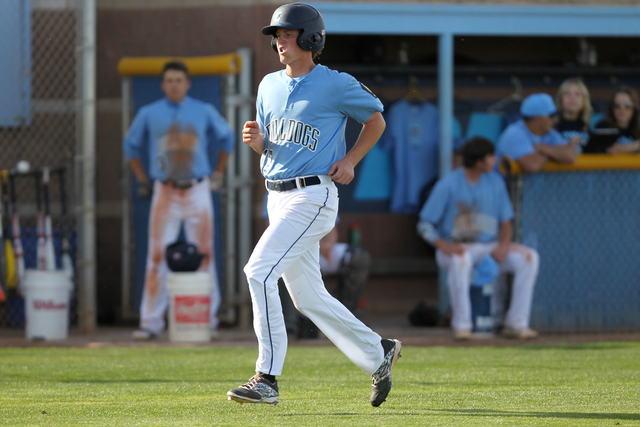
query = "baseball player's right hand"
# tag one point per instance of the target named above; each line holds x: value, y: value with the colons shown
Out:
x: 451, y: 249
x: 145, y: 189
x: 252, y: 137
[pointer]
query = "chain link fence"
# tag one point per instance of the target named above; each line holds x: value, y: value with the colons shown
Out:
x: 586, y: 228
x: 39, y: 124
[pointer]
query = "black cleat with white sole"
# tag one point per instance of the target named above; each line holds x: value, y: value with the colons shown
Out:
x: 257, y: 390
x: 382, y: 377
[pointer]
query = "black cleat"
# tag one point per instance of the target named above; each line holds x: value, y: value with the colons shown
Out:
x: 257, y: 390
x: 382, y: 377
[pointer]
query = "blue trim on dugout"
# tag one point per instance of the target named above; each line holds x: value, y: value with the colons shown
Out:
x: 488, y: 20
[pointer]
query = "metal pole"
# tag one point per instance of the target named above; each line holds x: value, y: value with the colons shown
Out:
x: 245, y: 154
x: 231, y: 222
x: 445, y: 100
x: 87, y: 301
x: 127, y: 245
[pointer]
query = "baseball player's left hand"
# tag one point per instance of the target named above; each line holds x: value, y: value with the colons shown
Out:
x: 342, y: 171
x: 500, y: 253
x: 216, y: 180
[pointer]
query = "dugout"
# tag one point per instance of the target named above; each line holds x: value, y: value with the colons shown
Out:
x: 466, y: 59
x: 225, y: 82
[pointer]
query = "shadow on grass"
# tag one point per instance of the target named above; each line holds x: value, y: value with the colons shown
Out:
x: 320, y: 415
x: 487, y: 413
x: 140, y: 381
x: 583, y: 346
x: 493, y: 413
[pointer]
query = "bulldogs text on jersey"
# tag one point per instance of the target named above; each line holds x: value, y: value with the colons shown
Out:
x: 295, y: 131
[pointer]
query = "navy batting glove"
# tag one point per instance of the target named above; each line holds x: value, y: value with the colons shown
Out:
x: 145, y: 189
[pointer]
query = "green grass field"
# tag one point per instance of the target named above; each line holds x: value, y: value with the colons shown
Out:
x: 563, y: 385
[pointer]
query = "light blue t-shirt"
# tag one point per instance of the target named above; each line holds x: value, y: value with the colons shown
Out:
x: 412, y: 134
x: 465, y: 212
x: 182, y: 138
x: 517, y: 141
x: 304, y: 120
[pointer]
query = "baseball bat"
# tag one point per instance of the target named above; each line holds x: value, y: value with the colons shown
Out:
x: 10, y: 260
x: 18, y: 250
x: 49, y: 252
x: 3, y: 264
x: 67, y: 262
x: 42, y: 243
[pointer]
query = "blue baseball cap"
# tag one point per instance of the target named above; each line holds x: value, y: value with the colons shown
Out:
x: 485, y: 271
x: 538, y: 104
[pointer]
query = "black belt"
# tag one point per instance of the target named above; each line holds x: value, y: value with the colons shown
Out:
x: 291, y: 184
x: 183, y: 184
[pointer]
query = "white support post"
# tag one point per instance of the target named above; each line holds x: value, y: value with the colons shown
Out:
x: 87, y: 297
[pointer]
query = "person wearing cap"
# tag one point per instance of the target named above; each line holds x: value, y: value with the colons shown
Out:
x: 467, y: 218
x: 532, y: 140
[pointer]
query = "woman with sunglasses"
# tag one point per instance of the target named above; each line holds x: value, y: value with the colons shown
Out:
x: 623, y: 114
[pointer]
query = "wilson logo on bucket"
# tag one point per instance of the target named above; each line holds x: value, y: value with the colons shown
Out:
x: 192, y: 308
x: 48, y: 305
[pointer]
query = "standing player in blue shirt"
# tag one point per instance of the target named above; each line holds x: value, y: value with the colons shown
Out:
x: 532, y: 140
x: 467, y: 217
x: 300, y: 133
x: 182, y: 136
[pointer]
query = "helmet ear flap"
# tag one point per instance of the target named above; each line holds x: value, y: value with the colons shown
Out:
x: 274, y: 43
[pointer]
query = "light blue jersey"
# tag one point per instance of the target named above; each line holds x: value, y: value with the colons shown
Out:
x: 465, y: 212
x: 412, y: 134
x: 304, y: 120
x: 517, y: 141
x: 182, y: 138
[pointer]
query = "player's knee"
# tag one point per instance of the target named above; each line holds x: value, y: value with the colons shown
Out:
x: 462, y: 261
x: 533, y: 258
x: 156, y: 257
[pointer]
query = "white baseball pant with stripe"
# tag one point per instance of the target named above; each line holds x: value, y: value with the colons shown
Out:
x: 290, y: 248
x: 522, y: 261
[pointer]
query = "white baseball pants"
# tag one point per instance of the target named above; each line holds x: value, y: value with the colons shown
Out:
x: 522, y: 261
x: 169, y: 208
x: 290, y: 248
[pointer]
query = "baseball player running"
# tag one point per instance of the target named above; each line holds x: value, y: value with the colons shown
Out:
x: 299, y: 130
x: 467, y: 217
x: 182, y: 136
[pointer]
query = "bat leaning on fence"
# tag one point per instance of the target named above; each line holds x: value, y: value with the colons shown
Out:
x: 67, y: 262
x: 42, y: 242
x: 3, y: 264
x: 49, y: 252
x: 10, y: 261
x: 18, y: 251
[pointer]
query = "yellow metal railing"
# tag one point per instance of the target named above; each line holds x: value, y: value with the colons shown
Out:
x: 198, y: 65
x: 584, y: 162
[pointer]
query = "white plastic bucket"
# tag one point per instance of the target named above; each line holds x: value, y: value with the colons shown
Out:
x: 47, y: 295
x: 189, y: 306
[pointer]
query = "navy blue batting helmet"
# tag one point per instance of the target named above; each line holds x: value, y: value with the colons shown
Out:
x: 183, y: 256
x: 298, y: 16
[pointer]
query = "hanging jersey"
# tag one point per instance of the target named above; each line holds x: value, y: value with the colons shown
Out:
x: 412, y: 134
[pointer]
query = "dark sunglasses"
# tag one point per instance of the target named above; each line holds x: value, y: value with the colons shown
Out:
x: 626, y: 105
